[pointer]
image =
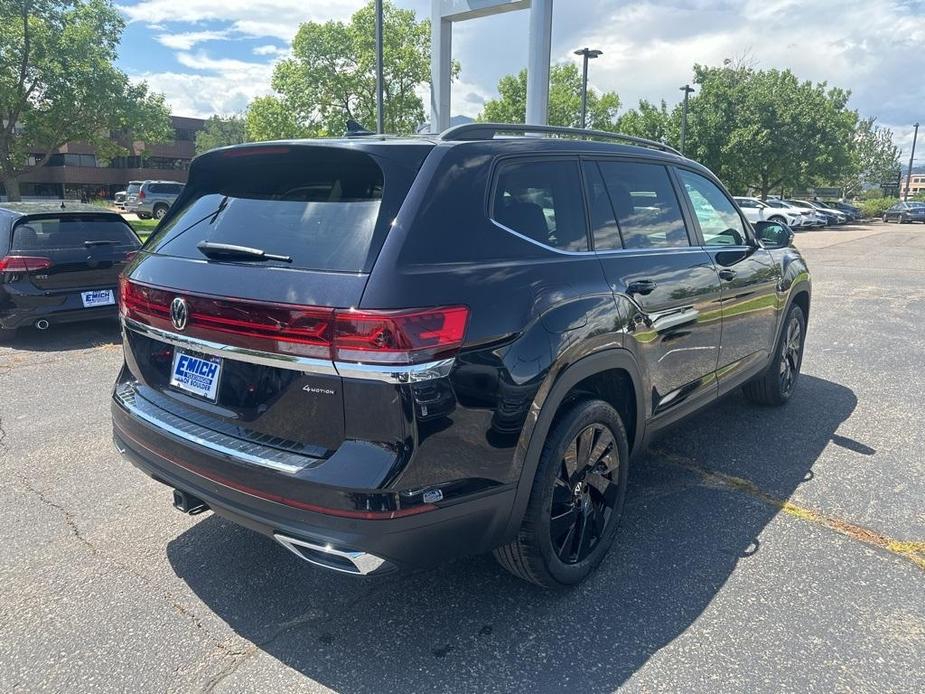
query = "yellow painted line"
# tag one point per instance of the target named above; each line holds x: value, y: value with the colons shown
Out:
x: 912, y: 550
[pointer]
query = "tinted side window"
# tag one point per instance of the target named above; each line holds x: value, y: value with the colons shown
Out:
x: 645, y: 204
x: 542, y: 200
x: 719, y: 221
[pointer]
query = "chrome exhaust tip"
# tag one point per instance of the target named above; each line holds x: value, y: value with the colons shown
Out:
x: 42, y: 324
x: 327, y: 557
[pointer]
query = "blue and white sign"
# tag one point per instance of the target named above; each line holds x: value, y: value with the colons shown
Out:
x: 100, y: 297
x: 196, y: 375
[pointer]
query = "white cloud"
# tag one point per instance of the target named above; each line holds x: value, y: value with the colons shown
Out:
x: 186, y: 40
x: 650, y: 46
x: 254, y: 18
x: 214, y: 85
x: 861, y: 45
x: 270, y: 49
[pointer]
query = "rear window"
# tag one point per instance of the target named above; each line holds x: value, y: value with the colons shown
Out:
x: 318, y: 206
x: 51, y: 234
x: 542, y: 201
x: 133, y: 188
x: 165, y: 188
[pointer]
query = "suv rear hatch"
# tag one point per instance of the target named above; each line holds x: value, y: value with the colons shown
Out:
x: 240, y: 343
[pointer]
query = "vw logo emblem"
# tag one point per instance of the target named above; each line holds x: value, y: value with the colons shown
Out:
x: 179, y: 313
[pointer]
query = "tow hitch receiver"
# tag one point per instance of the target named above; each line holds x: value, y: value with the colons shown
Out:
x: 188, y: 503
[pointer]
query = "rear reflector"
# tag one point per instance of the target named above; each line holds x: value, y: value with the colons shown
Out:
x: 24, y: 263
x: 378, y: 337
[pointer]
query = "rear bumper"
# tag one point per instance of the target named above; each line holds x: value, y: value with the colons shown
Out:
x: 469, y: 525
x: 22, y: 310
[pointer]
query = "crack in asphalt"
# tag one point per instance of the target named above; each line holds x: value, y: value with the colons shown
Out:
x: 310, y: 617
x: 910, y: 550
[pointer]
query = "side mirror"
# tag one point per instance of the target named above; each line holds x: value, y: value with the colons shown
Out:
x: 773, y: 234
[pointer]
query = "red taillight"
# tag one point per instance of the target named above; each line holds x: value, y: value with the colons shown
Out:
x: 399, y: 337
x: 383, y: 337
x: 24, y: 263
x: 141, y: 195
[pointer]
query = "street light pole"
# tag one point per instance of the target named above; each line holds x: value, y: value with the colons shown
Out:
x: 589, y: 54
x: 688, y: 90
x: 911, y: 157
x: 380, y: 100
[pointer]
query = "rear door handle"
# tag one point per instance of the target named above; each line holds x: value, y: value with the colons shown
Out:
x: 727, y: 274
x: 641, y: 287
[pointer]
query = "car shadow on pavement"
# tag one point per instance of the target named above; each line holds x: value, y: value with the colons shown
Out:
x: 67, y: 336
x: 469, y: 626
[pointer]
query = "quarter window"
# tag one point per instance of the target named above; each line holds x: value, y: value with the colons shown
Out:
x: 542, y: 200
x: 720, y: 224
x: 645, y: 206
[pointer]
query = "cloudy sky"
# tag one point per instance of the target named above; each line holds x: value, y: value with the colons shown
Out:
x: 214, y: 56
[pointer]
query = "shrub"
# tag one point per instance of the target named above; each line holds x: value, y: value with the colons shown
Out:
x: 875, y: 207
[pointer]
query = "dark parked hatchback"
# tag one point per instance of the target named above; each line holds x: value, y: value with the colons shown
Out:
x: 387, y: 352
x: 59, y: 266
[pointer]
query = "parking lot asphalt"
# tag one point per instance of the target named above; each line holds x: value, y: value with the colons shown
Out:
x: 761, y: 549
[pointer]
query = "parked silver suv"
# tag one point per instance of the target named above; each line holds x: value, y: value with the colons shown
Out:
x: 153, y: 199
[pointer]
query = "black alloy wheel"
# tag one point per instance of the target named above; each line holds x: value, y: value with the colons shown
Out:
x: 791, y: 350
x: 576, y: 498
x: 584, y: 495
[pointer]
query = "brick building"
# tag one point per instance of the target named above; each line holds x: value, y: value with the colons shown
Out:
x: 916, y: 186
x: 74, y: 172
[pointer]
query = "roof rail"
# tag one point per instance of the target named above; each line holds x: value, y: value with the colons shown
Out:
x: 487, y: 131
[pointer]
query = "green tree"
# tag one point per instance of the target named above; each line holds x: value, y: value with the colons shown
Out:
x: 874, y: 158
x: 331, y: 76
x: 58, y: 85
x: 764, y: 129
x: 652, y: 122
x: 269, y: 118
x: 564, y: 100
x: 220, y: 132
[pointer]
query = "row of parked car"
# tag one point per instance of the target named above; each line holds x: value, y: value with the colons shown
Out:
x: 809, y: 214
x: 148, y: 199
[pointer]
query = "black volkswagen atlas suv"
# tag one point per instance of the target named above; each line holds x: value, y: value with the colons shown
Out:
x: 386, y: 352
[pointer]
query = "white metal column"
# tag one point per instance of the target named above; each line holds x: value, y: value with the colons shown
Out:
x: 441, y: 67
x: 445, y: 12
x: 539, y: 55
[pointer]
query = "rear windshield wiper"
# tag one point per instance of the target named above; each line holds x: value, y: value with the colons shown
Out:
x: 231, y: 252
x: 89, y: 243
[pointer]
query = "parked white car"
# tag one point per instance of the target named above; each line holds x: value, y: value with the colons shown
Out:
x: 817, y: 217
x: 756, y: 210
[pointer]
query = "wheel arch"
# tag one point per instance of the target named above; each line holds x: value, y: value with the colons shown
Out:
x: 611, y: 375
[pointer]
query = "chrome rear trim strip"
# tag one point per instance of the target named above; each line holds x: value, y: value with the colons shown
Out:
x: 396, y: 374
x: 384, y: 373
x: 237, y: 449
x: 252, y: 356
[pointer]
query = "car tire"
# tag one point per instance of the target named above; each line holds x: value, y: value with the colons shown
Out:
x: 886, y: 220
x: 576, y: 500
x: 776, y: 384
x: 141, y: 215
x: 777, y: 218
x: 160, y: 211
x: 902, y: 219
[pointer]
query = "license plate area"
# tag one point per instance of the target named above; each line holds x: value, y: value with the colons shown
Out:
x: 196, y: 374
x: 99, y: 297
